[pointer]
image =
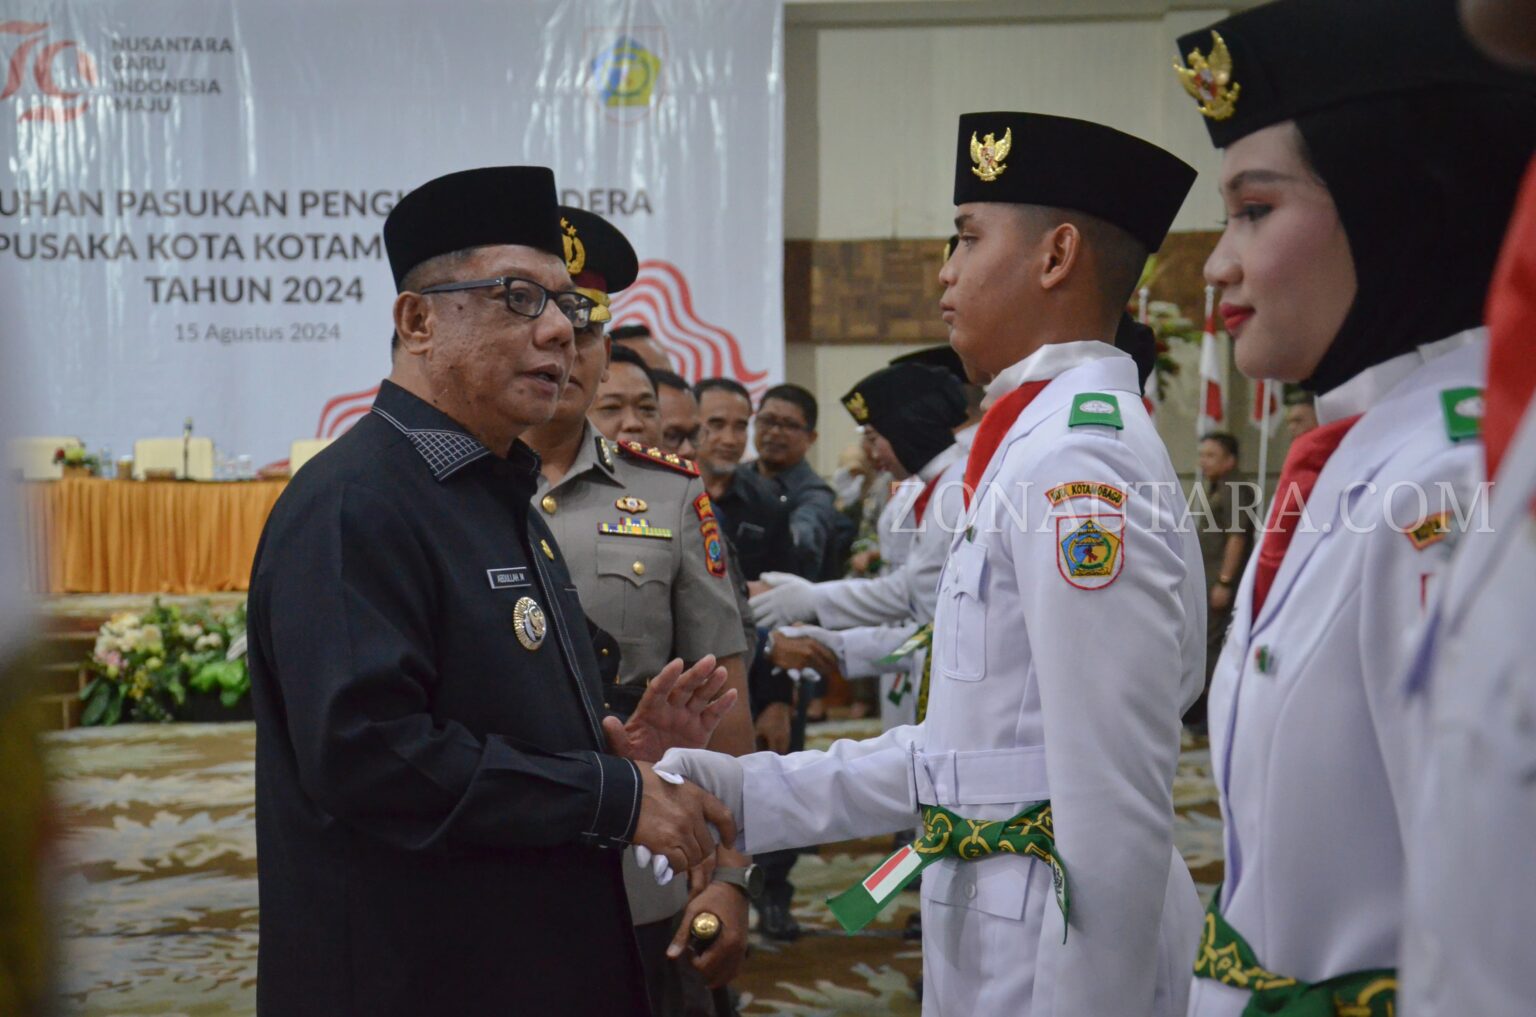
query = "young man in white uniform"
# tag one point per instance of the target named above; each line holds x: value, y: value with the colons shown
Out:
x: 1069, y: 634
x: 1328, y: 280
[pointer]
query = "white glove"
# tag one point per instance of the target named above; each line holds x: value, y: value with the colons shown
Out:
x: 715, y: 772
x: 790, y: 599
x: 660, y: 867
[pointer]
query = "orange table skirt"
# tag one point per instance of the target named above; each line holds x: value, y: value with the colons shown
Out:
x: 123, y: 536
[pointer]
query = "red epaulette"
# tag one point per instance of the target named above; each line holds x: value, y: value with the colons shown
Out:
x: 670, y: 460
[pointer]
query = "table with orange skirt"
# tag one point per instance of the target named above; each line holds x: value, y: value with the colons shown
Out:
x: 123, y: 536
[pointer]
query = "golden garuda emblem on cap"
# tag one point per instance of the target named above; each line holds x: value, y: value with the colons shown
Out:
x: 1209, y: 81
x: 857, y: 407
x: 575, y: 250
x: 988, y: 155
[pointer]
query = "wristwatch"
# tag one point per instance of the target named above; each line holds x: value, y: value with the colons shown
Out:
x: 748, y: 880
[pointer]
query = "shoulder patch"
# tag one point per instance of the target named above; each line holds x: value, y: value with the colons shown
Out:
x: 1463, y: 408
x: 1432, y: 530
x: 1090, y: 550
x: 672, y: 461
x: 709, y: 530
x: 1086, y: 489
x: 1099, y: 408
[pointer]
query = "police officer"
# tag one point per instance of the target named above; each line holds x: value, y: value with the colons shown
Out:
x: 429, y: 753
x: 645, y: 551
x: 1327, y: 283
x: 1070, y: 627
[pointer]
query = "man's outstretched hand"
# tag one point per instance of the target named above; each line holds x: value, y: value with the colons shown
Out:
x: 675, y: 821
x: 680, y: 710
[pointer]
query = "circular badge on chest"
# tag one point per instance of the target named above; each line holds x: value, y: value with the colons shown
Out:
x: 529, y: 623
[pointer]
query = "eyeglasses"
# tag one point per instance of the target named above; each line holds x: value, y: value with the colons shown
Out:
x: 779, y: 424
x: 527, y: 298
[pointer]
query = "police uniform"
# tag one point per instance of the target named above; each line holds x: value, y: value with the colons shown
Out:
x: 1317, y: 751
x: 645, y: 547
x: 1064, y: 653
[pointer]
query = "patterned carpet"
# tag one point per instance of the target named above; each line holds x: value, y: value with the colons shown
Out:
x: 159, y: 883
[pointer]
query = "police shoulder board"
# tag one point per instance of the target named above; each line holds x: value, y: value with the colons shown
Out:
x: 1095, y: 408
x: 651, y: 454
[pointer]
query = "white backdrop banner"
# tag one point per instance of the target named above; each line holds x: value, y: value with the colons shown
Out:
x: 193, y: 192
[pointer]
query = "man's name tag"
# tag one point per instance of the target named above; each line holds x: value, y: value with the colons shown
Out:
x: 507, y: 579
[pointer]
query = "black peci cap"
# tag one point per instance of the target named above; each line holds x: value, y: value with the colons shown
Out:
x: 1282, y: 60
x: 473, y: 208
x: 1059, y: 162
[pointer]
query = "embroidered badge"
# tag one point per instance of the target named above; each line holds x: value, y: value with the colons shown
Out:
x: 1431, y: 531
x: 1463, y: 408
x: 1099, y: 408
x: 548, y: 551
x: 505, y: 579
x: 857, y: 408
x: 1090, y: 549
x: 988, y: 155
x: 528, y: 623
x: 703, y: 507
x: 629, y: 503
x: 1086, y: 489
x: 575, y: 250
x: 1209, y: 81
x: 628, y: 526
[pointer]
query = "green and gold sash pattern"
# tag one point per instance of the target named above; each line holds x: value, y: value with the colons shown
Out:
x: 1227, y: 958
x: 946, y: 835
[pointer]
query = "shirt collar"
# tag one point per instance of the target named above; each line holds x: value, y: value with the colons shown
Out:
x: 1046, y: 363
x: 941, y: 462
x: 441, y: 441
x: 1371, y: 385
x: 594, y: 453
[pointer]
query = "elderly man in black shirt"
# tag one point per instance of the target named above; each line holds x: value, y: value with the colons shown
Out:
x: 436, y: 788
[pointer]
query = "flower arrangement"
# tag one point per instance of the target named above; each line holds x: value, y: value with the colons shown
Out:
x: 78, y: 458
x: 144, y: 665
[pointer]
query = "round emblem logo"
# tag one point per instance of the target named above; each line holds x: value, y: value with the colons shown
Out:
x: 1471, y: 407
x: 1097, y: 406
x: 529, y: 623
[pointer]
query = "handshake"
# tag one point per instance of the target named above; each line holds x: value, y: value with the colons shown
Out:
x: 680, y: 825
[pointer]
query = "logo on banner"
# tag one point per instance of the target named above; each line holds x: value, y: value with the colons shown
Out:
x: 60, y: 80
x: 660, y: 300
x: 626, y: 73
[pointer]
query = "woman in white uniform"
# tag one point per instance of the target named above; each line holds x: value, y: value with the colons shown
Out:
x: 1370, y: 161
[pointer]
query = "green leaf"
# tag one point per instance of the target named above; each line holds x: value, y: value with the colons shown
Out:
x: 177, y: 691
x: 115, y: 709
x: 91, y: 688
x: 95, y: 710
x: 229, y: 697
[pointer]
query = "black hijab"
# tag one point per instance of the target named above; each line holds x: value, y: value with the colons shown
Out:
x: 1424, y: 182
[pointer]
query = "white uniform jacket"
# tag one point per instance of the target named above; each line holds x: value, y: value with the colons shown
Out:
x: 910, y: 589
x: 1047, y: 684
x: 1314, y: 744
x: 896, y: 543
x: 1471, y: 904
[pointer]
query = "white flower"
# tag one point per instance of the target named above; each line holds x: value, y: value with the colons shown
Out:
x: 211, y: 641
x: 150, y: 638
x: 189, y: 632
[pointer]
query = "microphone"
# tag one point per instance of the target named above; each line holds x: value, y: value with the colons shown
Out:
x: 186, y: 449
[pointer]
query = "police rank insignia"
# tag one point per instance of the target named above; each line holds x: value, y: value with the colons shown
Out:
x: 988, y: 155
x: 629, y: 503
x: 628, y: 526
x: 548, y: 551
x: 1209, y: 81
x: 1090, y: 549
x: 709, y: 529
x: 575, y: 250
x: 528, y: 623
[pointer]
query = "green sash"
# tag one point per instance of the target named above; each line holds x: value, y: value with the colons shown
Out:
x: 1227, y: 958
x: 946, y: 835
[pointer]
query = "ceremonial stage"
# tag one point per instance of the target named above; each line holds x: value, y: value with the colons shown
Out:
x: 158, y: 916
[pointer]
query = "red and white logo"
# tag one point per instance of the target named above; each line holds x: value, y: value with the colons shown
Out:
x: 660, y: 300
x: 60, y: 82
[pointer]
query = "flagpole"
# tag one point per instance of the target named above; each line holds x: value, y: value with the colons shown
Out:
x: 1264, y: 444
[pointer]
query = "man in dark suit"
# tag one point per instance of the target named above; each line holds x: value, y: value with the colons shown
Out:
x: 438, y: 794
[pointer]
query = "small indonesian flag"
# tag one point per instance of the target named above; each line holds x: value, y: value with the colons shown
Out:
x: 1213, y: 387
x: 856, y: 907
x: 1259, y: 418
